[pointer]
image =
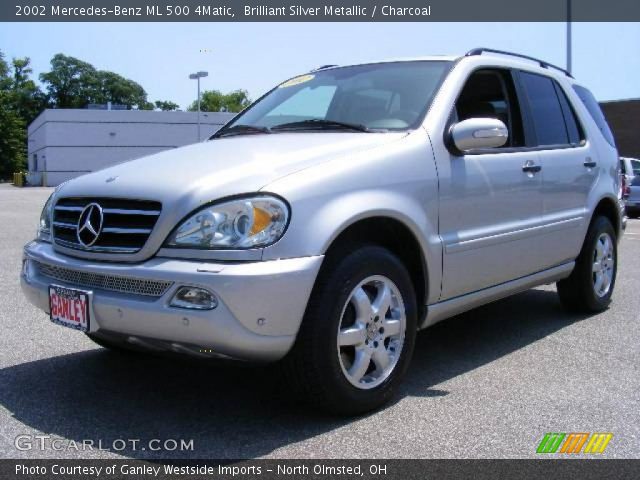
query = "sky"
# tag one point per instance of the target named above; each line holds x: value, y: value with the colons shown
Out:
x: 257, y: 56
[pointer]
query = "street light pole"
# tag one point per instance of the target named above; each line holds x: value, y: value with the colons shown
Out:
x: 569, y: 36
x: 197, y: 76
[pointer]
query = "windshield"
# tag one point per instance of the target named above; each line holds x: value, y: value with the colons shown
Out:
x: 374, y: 97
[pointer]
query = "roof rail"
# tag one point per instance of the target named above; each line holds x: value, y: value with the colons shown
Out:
x: 542, y: 63
x: 322, y: 67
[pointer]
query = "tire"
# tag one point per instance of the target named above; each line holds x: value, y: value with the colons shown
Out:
x: 598, y: 262
x: 327, y: 375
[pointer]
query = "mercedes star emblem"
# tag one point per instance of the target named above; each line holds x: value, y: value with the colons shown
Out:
x: 90, y: 224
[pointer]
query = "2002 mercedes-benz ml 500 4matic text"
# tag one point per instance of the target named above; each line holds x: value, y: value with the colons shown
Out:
x: 336, y: 216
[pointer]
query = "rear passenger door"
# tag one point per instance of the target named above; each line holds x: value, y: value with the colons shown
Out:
x: 569, y: 167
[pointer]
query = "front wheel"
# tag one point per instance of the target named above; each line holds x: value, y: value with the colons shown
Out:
x: 589, y: 287
x: 358, y: 334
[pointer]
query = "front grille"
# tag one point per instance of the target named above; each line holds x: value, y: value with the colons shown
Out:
x: 126, y: 224
x: 113, y: 283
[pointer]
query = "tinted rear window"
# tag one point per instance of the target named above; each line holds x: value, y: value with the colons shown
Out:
x: 546, y: 110
x: 573, y: 126
x: 596, y: 113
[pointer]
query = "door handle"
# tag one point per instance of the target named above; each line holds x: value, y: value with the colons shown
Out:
x: 589, y: 163
x: 530, y: 167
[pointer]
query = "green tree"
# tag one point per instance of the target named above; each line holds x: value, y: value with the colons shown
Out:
x: 216, y: 101
x: 73, y: 83
x: 13, y: 139
x: 29, y: 99
x: 237, y: 100
x: 5, y: 81
x: 114, y: 88
x: 166, y: 105
x: 146, y: 106
x: 13, y: 133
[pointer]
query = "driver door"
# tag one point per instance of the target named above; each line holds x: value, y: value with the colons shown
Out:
x: 488, y: 203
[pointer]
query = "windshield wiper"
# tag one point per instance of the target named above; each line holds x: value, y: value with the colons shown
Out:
x: 320, y: 123
x: 242, y: 129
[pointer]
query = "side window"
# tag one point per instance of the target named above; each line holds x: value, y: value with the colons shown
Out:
x: 546, y: 111
x: 574, y: 130
x: 592, y: 106
x: 635, y: 166
x: 491, y: 94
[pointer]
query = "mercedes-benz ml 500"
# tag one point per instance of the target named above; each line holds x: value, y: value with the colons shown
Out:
x: 343, y: 211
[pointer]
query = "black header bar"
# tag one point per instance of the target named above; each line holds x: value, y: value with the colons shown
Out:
x: 129, y: 469
x: 319, y: 10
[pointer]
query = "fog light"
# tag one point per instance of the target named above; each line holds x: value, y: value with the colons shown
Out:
x: 194, y: 298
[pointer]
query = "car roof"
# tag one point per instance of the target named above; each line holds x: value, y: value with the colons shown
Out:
x: 441, y: 58
x: 488, y: 58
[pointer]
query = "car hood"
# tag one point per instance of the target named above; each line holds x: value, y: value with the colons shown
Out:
x: 188, y: 177
x: 222, y: 167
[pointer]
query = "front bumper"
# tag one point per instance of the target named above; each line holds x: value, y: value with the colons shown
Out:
x: 260, y: 304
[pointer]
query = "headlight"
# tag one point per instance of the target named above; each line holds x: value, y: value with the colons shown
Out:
x: 237, y: 224
x: 44, y: 227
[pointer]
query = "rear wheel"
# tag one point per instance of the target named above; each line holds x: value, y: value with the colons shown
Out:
x: 358, y: 334
x: 590, y: 285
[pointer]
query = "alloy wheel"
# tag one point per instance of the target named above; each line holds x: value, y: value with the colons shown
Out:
x: 603, y: 265
x: 371, y: 332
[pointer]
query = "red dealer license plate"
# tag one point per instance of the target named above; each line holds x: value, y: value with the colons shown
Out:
x: 69, y: 307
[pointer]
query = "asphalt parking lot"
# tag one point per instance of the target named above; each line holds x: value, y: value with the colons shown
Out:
x: 486, y: 384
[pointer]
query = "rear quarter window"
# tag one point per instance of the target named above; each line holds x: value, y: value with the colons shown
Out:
x: 593, y: 107
x: 574, y: 130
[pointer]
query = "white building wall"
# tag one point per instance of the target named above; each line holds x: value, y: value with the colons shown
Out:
x: 66, y: 143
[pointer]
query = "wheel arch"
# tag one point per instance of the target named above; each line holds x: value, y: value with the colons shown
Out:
x: 397, y: 237
x: 610, y: 209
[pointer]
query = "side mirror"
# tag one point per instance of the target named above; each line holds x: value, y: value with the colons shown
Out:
x: 477, y: 133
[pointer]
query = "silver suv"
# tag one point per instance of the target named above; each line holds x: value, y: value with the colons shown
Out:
x: 340, y: 213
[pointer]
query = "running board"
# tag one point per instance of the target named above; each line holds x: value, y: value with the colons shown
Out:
x: 454, y: 306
